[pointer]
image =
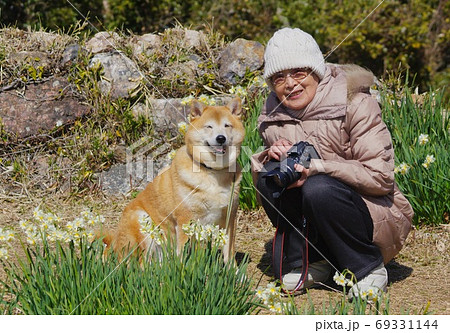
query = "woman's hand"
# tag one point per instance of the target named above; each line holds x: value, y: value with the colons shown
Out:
x: 300, y: 169
x: 279, y: 149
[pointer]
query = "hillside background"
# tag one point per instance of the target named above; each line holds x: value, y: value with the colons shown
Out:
x: 408, y: 38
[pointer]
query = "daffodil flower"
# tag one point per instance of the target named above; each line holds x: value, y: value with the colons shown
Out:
x: 403, y: 169
x: 205, y: 99
x: 187, y: 100
x: 4, y: 253
x: 208, y: 233
x: 339, y: 279
x: 271, y: 297
x: 428, y: 160
x: 238, y: 90
x: 171, y: 154
x: 423, y: 139
x: 182, y: 127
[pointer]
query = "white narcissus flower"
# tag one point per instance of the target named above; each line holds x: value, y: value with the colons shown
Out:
x: 171, y: 154
x: 205, y: 233
x: 79, y: 223
x: 4, y: 253
x: 187, y: 100
x: 32, y: 239
x: 9, y: 235
x: 403, y: 168
x: 24, y: 224
x: 149, y: 228
x: 423, y: 139
x: 238, y: 90
x: 339, y: 279
x: 258, y: 81
x: 428, y: 160
x: 182, y: 127
x: 278, y: 308
x: 71, y: 225
x: 260, y: 292
x: 273, y: 289
x: 38, y: 214
x: 205, y: 99
x: 271, y: 297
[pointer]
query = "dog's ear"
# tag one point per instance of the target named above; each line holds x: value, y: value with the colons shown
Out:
x: 235, y: 107
x: 196, y: 109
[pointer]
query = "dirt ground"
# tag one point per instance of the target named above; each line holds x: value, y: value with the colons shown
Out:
x: 418, y: 276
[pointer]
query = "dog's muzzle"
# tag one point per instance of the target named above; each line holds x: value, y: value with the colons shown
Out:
x: 220, y: 147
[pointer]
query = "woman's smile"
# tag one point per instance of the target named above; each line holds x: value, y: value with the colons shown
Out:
x: 297, y: 95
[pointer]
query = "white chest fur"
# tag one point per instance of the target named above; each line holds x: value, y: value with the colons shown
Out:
x: 211, y: 197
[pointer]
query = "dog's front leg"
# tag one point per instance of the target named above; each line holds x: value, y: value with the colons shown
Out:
x: 182, y: 239
x: 228, y: 248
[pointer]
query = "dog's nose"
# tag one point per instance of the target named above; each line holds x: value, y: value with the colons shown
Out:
x: 221, y: 139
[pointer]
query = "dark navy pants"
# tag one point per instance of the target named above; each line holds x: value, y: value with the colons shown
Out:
x: 338, y: 221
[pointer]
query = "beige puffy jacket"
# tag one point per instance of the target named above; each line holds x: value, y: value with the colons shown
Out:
x: 344, y: 124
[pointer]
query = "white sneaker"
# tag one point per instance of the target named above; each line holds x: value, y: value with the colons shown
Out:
x: 319, y: 271
x: 372, y: 285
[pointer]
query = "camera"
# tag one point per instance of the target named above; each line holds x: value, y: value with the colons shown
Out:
x: 284, y: 173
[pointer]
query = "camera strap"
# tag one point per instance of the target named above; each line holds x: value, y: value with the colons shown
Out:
x: 278, y: 255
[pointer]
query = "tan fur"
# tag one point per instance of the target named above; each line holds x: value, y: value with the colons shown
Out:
x: 358, y: 79
x: 197, y: 186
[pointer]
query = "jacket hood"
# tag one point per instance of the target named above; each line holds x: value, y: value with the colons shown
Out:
x: 339, y: 85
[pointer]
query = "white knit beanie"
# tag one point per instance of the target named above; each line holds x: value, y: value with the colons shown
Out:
x: 292, y: 48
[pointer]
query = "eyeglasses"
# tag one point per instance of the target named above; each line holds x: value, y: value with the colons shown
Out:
x: 298, y: 74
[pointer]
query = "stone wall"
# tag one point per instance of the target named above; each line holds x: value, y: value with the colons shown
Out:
x: 48, y: 100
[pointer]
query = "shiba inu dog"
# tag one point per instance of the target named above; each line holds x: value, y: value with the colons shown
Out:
x: 199, y: 185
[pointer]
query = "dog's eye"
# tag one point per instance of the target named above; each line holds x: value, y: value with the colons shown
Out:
x: 228, y: 125
x: 208, y: 126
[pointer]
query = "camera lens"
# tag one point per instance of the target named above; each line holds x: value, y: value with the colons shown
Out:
x: 278, y: 181
x: 286, y: 178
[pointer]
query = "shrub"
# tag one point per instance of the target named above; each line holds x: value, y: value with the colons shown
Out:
x: 414, y: 33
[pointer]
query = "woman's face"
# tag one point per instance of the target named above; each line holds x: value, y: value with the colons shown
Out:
x: 295, y: 88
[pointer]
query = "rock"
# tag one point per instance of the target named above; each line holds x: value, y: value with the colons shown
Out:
x: 167, y: 113
x: 121, y: 179
x: 186, y: 71
x: 32, y: 58
x: 116, y: 180
x: 189, y: 39
x: 121, y: 74
x: 46, y: 39
x: 146, y: 44
x: 103, y: 41
x: 70, y: 54
x: 238, y: 57
x: 164, y: 113
x: 42, y: 107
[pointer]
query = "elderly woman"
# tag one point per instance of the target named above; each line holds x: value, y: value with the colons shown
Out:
x: 346, y: 202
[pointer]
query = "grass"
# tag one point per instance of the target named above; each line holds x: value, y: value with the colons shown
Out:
x: 252, y: 144
x: 72, y: 279
x: 421, y: 129
x: 61, y: 279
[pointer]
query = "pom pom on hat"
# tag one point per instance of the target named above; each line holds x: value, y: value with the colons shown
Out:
x: 292, y: 48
